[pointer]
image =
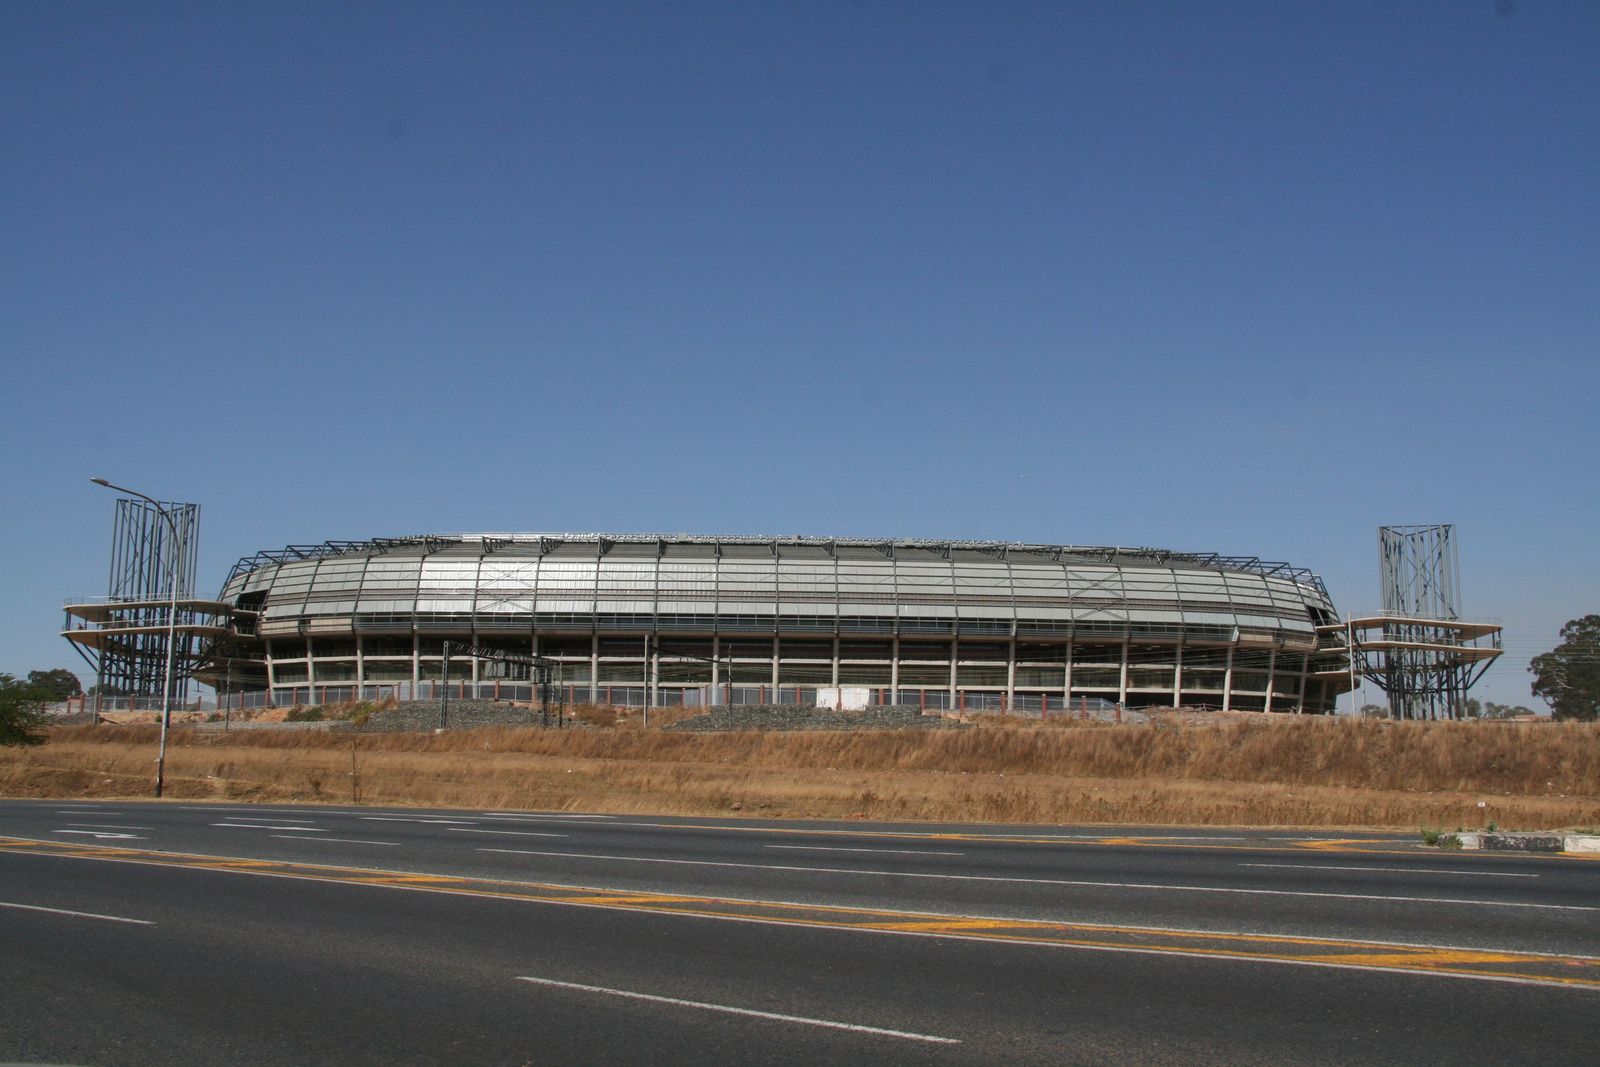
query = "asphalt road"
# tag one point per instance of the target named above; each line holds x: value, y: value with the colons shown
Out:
x: 568, y: 938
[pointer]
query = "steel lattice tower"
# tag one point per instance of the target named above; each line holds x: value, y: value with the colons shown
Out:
x: 143, y: 557
x: 1420, y: 665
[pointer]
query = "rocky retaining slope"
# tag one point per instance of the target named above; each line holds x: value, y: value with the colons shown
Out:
x: 414, y: 715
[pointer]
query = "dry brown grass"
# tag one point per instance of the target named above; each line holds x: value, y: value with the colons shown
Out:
x: 1254, y: 770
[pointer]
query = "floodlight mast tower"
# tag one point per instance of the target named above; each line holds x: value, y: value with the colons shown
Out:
x: 1418, y: 649
x: 145, y: 556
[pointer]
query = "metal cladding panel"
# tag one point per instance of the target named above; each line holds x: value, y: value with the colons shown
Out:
x: 927, y: 611
x: 1037, y: 580
x: 445, y: 605
x: 924, y: 580
x: 854, y: 579
x: 294, y: 577
x: 503, y: 607
x: 805, y: 608
x: 449, y: 574
x: 1210, y: 618
x: 566, y: 579
x: 508, y: 574
x: 1248, y: 589
x: 390, y: 606
x: 753, y: 584
x: 627, y: 572
x: 331, y: 607
x: 1137, y: 614
x: 566, y: 607
x: 338, y: 574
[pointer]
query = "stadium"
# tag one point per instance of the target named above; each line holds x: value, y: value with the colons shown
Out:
x: 632, y: 619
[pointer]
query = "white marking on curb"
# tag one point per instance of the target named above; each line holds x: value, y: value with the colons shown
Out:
x: 76, y: 914
x: 750, y: 1012
x: 1065, y: 881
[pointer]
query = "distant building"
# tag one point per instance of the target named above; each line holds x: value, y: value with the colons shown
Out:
x: 630, y: 618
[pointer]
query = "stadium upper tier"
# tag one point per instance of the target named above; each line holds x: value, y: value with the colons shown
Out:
x: 998, y: 621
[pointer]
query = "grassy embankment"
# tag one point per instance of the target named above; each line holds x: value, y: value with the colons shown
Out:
x: 1252, y: 771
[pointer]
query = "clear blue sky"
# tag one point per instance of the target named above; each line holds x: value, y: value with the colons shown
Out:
x: 1242, y: 277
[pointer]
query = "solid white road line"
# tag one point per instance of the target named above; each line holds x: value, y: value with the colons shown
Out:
x: 109, y: 826
x: 750, y: 1012
x: 512, y: 833
x: 102, y: 834
x: 1396, y: 870
x: 219, y: 809
x: 873, y: 851
x: 398, y: 818
x: 76, y: 914
x: 539, y: 815
x: 251, y: 818
x: 1065, y: 881
x: 263, y: 826
x: 331, y: 840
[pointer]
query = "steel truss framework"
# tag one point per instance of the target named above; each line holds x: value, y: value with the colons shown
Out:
x: 1419, y: 650
x: 123, y: 636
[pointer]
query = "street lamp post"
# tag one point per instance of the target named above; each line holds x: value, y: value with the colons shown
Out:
x: 172, y: 625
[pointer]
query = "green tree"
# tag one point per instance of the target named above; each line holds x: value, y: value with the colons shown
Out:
x: 1568, y: 676
x: 56, y: 685
x: 21, y: 712
x: 1491, y: 710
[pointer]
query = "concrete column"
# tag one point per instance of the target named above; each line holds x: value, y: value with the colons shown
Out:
x: 894, y: 667
x: 1066, y: 683
x: 1122, y: 683
x: 1227, y: 682
x: 1011, y: 673
x: 835, y: 660
x: 361, y: 666
x: 594, y: 668
x: 652, y: 674
x: 1272, y: 663
x: 1177, y: 676
x: 953, y: 701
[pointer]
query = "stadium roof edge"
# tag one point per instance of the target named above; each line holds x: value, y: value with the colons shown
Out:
x: 490, y: 542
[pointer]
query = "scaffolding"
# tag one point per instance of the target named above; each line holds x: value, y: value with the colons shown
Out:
x: 1419, y: 650
x: 123, y: 635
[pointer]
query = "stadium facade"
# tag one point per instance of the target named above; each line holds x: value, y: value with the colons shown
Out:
x: 635, y: 618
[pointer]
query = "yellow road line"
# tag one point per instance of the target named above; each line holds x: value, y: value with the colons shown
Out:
x: 1571, y: 971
